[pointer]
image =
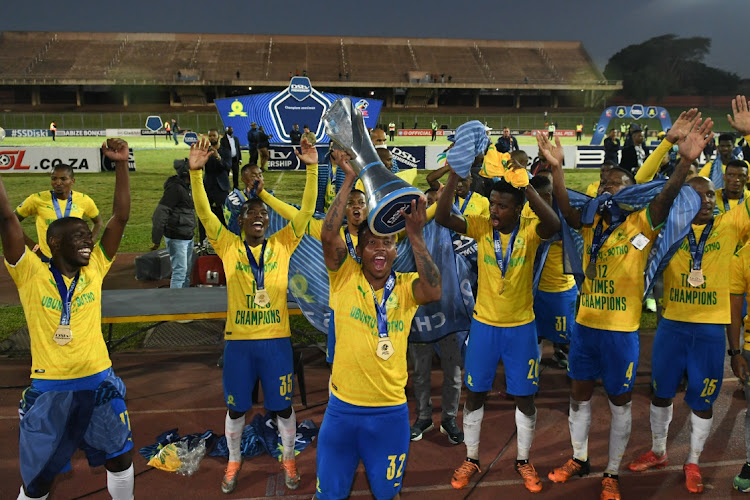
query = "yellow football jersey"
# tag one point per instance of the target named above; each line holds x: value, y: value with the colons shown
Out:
x: 359, y: 376
x: 613, y: 301
x: 730, y: 204
x: 708, y: 303
x: 515, y: 306
x: 552, y: 279
x: 40, y: 205
x: 740, y: 283
x: 86, y: 354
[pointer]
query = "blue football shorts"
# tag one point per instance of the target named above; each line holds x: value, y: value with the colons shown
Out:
x: 555, y: 314
x: 516, y: 346
x: 692, y: 349
x: 604, y: 354
x: 246, y: 361
x: 379, y: 436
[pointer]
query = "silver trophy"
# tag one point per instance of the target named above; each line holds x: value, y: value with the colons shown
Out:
x: 386, y: 193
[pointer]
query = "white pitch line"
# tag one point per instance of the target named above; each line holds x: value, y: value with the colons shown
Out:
x: 278, y: 180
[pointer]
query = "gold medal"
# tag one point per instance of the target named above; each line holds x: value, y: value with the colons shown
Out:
x: 384, y: 349
x: 591, y: 271
x: 63, y: 335
x: 262, y: 299
x: 696, y: 279
x: 501, y: 288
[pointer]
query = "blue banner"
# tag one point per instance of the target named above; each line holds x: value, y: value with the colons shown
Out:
x: 635, y: 112
x: 409, y: 156
x: 277, y: 112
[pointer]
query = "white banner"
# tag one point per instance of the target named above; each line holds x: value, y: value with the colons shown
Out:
x: 123, y: 132
x: 81, y: 133
x: 41, y: 160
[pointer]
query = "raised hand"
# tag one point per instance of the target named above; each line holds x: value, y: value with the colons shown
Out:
x: 115, y: 149
x: 200, y: 152
x: 417, y: 216
x: 699, y: 135
x: 741, y: 120
x: 308, y: 153
x: 259, y: 185
x: 342, y: 160
x: 682, y: 126
x: 554, y: 154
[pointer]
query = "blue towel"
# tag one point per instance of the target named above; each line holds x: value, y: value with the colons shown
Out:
x: 471, y: 140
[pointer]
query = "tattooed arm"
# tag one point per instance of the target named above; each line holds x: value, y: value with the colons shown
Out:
x: 334, y: 247
x: 428, y: 287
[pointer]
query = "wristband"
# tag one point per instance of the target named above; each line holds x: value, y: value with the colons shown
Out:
x: 734, y: 352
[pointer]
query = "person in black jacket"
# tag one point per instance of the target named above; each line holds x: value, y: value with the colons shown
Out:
x: 252, y: 143
x: 232, y: 144
x: 174, y: 219
x: 216, y: 179
x: 611, y: 146
x: 263, y: 145
x: 295, y: 135
x: 506, y: 143
x: 635, y: 153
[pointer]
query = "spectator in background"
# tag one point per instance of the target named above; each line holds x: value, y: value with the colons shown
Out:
x: 310, y: 135
x: 167, y: 130
x: 391, y: 130
x: 379, y: 140
x: 611, y: 146
x: 295, y: 135
x: 634, y: 154
x: 579, y: 132
x: 175, y: 131
x: 230, y: 142
x: 216, y: 179
x: 551, y: 130
x: 263, y: 145
x: 709, y: 150
x: 506, y: 143
x: 65, y: 203
x: 434, y: 126
x: 174, y: 219
x: 252, y: 141
x: 52, y: 130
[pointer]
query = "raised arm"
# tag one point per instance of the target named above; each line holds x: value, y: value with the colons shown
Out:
x: 286, y: 210
x: 443, y: 214
x: 309, y: 155
x: 334, y: 247
x: 428, y: 287
x: 554, y: 157
x: 650, y: 167
x: 696, y: 136
x: 117, y: 151
x: 433, y: 178
x: 199, y: 155
x: 741, y: 120
x: 11, y: 233
x: 549, y: 222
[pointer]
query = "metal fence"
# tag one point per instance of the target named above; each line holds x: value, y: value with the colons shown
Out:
x: 200, y: 122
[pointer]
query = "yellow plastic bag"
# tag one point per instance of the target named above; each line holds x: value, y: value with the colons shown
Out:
x: 167, y: 459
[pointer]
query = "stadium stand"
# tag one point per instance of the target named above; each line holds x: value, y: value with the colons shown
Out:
x: 210, y: 63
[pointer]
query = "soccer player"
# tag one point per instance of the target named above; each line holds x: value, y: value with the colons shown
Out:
x: 61, y: 201
x: 367, y: 418
x: 690, y: 338
x: 555, y: 299
x: 734, y: 192
x: 503, y: 323
x: 257, y: 329
x: 605, y: 340
x: 740, y: 357
x: 250, y: 174
x: 73, y: 391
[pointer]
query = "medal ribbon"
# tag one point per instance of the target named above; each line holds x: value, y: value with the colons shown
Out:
x: 257, y: 267
x: 66, y: 294
x: 696, y: 250
x: 56, y: 204
x: 350, y: 244
x: 726, y: 200
x: 599, y: 239
x: 503, y: 260
x: 466, y: 202
x: 390, y: 284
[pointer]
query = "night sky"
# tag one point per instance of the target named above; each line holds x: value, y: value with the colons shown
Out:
x: 604, y: 27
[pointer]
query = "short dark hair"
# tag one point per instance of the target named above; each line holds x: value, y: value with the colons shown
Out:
x: 355, y: 190
x: 540, y: 182
x: 502, y: 186
x: 59, y: 227
x: 246, y: 168
x: 64, y: 166
x: 431, y: 190
x: 608, y: 164
x: 737, y: 164
x: 246, y: 206
x: 726, y: 136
